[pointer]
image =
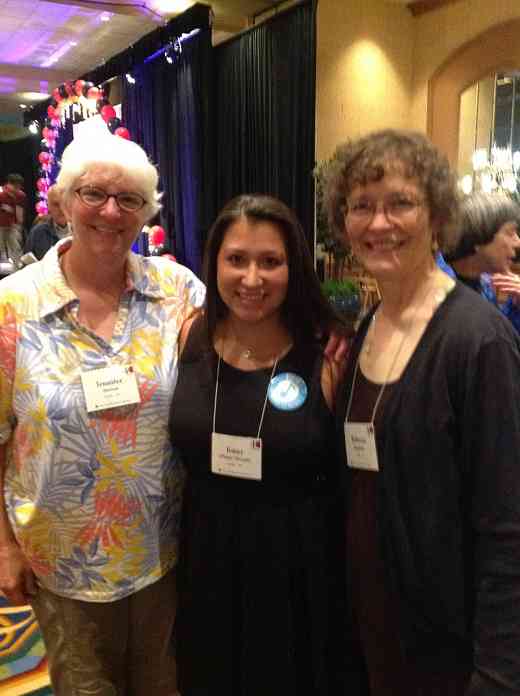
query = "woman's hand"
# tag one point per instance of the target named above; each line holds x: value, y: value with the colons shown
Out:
x: 334, y: 366
x: 17, y: 580
x: 508, y: 284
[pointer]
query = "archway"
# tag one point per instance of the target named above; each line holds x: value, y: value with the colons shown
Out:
x: 495, y: 50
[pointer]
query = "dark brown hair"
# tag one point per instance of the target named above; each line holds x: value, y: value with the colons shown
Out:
x: 306, y: 312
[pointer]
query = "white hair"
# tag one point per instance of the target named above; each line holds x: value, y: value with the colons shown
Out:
x: 84, y: 152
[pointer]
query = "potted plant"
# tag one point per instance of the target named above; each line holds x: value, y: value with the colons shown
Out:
x: 344, y: 296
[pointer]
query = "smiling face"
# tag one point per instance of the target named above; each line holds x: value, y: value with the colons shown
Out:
x: 388, y: 227
x: 252, y: 270
x: 498, y: 255
x: 107, y: 232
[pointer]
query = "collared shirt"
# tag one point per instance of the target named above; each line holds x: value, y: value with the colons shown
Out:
x: 93, y: 498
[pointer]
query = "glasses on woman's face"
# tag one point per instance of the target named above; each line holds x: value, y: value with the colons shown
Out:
x: 397, y: 208
x: 95, y: 197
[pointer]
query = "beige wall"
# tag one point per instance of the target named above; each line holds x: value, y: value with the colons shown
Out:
x: 376, y: 65
x: 440, y: 33
x: 364, y: 69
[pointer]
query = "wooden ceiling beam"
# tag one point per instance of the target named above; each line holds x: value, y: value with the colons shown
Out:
x: 420, y: 7
x: 128, y: 8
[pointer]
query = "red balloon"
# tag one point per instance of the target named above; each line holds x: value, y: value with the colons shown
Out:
x: 43, y: 157
x: 78, y: 87
x: 51, y: 113
x: 42, y: 185
x: 41, y: 208
x: 122, y: 132
x: 156, y: 235
x: 107, y: 112
x: 45, y: 132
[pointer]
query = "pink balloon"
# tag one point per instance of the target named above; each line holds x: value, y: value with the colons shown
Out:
x: 78, y: 87
x: 41, y: 208
x: 42, y: 185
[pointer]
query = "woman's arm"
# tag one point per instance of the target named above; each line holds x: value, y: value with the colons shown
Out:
x: 17, y: 580
x: 491, y: 432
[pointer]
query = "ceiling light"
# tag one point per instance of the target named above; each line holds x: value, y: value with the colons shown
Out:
x: 34, y: 127
x: 105, y: 16
x: 172, y: 6
x: 130, y: 78
x: 23, y: 106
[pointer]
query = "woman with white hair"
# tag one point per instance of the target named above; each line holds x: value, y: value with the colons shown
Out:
x: 91, y: 489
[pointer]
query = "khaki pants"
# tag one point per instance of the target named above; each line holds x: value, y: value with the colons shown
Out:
x: 121, y: 648
x: 11, y: 243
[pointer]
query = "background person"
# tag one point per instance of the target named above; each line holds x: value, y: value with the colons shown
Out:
x: 429, y: 428
x: 261, y: 597
x: 12, y: 204
x: 91, y: 485
x: 45, y: 234
x: 485, y: 249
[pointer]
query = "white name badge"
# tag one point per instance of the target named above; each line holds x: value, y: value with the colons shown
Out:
x: 232, y: 455
x: 360, y: 442
x: 110, y: 387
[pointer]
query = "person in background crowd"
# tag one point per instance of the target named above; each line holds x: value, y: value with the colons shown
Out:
x: 260, y: 590
x: 429, y: 430
x: 90, y: 485
x: 12, y: 204
x: 485, y: 249
x: 45, y: 234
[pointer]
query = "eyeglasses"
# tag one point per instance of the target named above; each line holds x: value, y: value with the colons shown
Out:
x: 96, y: 198
x: 396, y: 208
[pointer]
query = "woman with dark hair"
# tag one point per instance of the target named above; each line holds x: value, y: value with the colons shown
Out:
x: 261, y: 595
x: 486, y: 248
x: 429, y: 430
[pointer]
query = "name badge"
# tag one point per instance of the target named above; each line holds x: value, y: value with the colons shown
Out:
x: 232, y: 455
x: 360, y: 443
x: 110, y: 387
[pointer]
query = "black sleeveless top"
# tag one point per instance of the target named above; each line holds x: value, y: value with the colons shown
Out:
x: 261, y: 589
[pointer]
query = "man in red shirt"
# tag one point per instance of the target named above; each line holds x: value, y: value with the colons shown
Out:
x: 12, y: 203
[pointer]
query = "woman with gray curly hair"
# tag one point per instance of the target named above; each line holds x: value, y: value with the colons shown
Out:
x: 486, y: 247
x: 429, y: 424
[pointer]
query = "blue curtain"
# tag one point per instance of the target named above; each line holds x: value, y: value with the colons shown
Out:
x: 167, y: 112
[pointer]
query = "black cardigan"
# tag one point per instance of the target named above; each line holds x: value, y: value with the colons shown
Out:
x: 449, y: 491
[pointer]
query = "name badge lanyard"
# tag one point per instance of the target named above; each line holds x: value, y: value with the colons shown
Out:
x: 360, y: 440
x: 265, y: 400
x: 235, y: 455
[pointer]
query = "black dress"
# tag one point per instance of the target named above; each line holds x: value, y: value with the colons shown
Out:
x: 261, y: 606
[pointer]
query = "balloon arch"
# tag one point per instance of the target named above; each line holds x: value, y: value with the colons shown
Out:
x: 76, y: 100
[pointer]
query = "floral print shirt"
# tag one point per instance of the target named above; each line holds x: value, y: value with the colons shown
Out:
x: 93, y: 498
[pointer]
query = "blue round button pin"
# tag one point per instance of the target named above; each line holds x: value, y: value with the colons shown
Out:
x: 287, y: 391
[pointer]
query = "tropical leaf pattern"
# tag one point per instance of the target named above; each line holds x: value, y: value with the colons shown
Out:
x: 94, y: 498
